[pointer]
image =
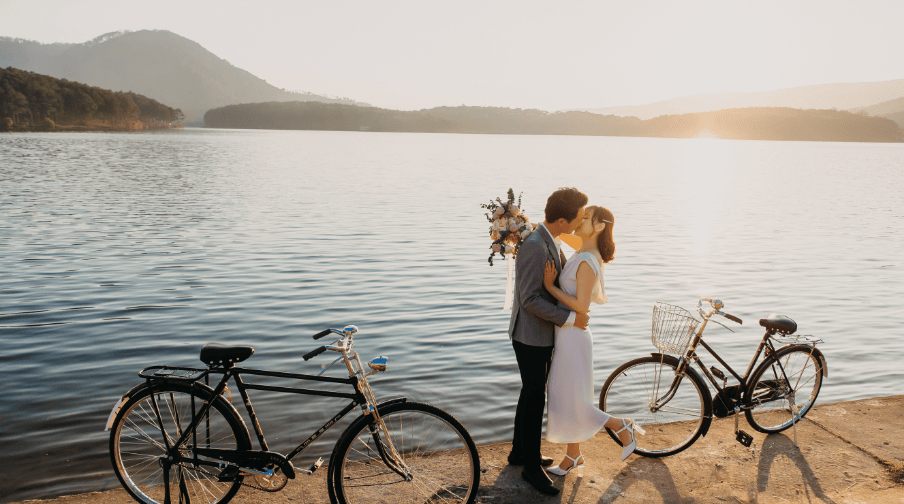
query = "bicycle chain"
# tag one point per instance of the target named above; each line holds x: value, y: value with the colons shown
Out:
x: 251, y: 477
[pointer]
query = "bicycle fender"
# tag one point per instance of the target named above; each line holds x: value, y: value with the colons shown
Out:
x: 122, y: 400
x: 707, y: 396
x: 822, y: 358
x: 141, y: 387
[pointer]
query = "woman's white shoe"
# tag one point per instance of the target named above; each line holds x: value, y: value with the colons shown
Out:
x: 558, y: 471
x: 630, y: 426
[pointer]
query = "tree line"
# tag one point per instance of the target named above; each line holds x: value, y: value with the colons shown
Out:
x: 28, y: 100
x: 754, y: 123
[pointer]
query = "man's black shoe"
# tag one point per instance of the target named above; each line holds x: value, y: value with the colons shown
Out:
x: 538, y: 479
x: 518, y: 460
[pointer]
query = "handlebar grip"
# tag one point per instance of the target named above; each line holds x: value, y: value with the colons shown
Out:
x: 322, y: 334
x: 314, y: 353
x: 733, y: 318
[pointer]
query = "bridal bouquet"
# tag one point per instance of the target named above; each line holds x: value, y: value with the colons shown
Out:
x: 509, y: 227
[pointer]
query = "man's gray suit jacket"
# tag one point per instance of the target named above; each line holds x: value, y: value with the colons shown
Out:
x: 535, y: 312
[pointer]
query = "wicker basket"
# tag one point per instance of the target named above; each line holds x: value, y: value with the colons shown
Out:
x: 673, y: 328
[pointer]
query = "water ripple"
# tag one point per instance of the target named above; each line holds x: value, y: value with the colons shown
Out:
x: 121, y: 251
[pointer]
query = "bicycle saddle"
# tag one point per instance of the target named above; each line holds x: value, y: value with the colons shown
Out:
x: 214, y: 354
x: 779, y: 323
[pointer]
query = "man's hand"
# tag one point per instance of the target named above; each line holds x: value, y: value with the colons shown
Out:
x: 581, y: 320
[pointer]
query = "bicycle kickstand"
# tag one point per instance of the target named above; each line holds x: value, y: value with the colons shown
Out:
x: 742, y: 437
x: 794, y: 419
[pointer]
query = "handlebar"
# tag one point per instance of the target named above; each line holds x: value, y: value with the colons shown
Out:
x: 314, y: 353
x: 716, y: 305
x: 345, y: 334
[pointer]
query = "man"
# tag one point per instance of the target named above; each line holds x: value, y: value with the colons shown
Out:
x: 535, y: 313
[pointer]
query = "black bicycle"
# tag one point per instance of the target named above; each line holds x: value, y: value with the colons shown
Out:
x: 670, y: 399
x: 174, y: 437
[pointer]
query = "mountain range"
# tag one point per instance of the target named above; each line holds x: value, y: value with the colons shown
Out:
x: 159, y: 64
x: 883, y: 99
x: 182, y: 74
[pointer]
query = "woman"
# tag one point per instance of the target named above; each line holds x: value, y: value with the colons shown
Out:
x: 572, y: 416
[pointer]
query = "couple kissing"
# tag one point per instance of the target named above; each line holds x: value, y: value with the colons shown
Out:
x: 551, y: 339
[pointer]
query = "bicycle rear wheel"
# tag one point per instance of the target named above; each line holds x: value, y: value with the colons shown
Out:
x: 777, y: 402
x: 137, y: 444
x: 439, y: 451
x: 638, y: 389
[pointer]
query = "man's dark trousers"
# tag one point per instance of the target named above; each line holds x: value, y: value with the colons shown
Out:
x: 533, y: 363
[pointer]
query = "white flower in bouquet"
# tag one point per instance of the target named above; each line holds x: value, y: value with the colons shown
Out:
x: 508, y: 226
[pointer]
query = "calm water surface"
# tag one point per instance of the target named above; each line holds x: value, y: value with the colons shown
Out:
x: 119, y: 251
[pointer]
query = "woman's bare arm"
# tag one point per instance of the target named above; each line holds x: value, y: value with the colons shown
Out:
x: 585, y: 278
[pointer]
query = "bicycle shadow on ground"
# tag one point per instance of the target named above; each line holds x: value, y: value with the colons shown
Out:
x: 780, y: 445
x: 642, y: 469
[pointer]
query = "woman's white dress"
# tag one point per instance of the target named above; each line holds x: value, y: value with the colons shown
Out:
x: 572, y: 414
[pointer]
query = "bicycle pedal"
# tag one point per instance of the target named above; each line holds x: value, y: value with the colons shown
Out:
x: 228, y: 474
x: 314, y: 467
x: 744, y: 438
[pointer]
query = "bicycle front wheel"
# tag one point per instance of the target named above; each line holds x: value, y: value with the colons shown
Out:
x: 674, y: 410
x: 138, y: 440
x: 436, y: 448
x: 777, y: 398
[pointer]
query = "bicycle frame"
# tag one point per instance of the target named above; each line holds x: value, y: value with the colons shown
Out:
x: 690, y: 355
x: 765, y: 344
x: 236, y: 372
x: 362, y: 396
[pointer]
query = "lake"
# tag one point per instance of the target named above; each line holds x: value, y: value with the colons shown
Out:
x: 120, y: 251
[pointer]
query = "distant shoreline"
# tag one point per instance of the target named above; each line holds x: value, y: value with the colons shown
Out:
x: 91, y: 128
x: 752, y: 123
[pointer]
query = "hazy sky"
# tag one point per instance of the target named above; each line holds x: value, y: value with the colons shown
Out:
x: 546, y: 55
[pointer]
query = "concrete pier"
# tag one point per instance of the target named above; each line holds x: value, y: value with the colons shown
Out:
x: 849, y: 452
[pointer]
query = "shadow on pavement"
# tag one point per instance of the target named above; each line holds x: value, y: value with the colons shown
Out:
x: 776, y: 445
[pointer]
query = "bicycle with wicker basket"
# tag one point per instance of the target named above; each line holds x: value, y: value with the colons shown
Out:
x: 667, y: 396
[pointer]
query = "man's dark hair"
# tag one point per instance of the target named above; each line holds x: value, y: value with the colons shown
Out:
x: 564, y: 203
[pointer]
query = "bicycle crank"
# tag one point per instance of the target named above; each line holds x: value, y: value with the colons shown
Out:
x: 268, y: 483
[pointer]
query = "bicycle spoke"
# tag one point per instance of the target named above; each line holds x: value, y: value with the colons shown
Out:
x: 775, y: 405
x: 137, y: 453
x: 436, y: 455
x: 648, y: 391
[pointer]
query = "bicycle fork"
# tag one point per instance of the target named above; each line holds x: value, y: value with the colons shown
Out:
x: 385, y: 447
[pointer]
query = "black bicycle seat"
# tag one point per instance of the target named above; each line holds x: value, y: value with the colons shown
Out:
x: 779, y: 323
x: 214, y: 354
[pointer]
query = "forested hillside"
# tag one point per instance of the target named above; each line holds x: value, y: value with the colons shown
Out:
x: 766, y: 123
x: 30, y: 101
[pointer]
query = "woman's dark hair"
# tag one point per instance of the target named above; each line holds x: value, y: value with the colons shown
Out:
x: 604, y: 242
x: 564, y: 204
